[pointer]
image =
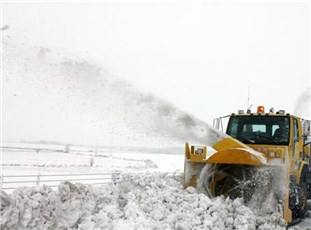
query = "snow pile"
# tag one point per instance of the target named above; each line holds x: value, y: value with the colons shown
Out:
x: 29, y: 208
x: 153, y: 201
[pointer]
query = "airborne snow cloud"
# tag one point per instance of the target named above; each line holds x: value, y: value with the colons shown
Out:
x: 49, y: 95
x: 303, y: 104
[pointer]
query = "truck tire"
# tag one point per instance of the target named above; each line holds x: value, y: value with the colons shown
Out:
x: 299, y: 195
x: 303, y: 198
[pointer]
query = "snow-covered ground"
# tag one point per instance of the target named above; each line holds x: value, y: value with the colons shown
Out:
x: 29, y: 161
x: 148, y: 196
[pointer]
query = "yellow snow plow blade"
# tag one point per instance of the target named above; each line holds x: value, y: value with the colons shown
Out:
x: 231, y: 168
x: 230, y: 151
x: 235, y: 156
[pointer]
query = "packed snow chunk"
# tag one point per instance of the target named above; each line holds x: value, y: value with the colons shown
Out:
x: 75, y: 202
x: 137, y: 201
x: 28, y: 208
x: 244, y: 216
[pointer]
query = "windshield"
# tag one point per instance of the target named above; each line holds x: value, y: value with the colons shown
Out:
x: 263, y: 129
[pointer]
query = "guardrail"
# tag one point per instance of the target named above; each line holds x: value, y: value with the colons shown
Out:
x: 11, y: 182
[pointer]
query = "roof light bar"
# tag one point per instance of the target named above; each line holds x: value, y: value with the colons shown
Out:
x: 260, y: 109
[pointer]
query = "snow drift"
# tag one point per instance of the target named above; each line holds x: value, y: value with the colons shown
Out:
x: 152, y: 201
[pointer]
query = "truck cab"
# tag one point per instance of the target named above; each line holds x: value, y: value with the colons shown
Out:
x: 274, y: 134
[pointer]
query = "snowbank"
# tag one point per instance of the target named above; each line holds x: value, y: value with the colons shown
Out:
x: 152, y: 201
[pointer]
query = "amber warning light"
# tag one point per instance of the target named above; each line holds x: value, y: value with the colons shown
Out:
x: 261, y: 109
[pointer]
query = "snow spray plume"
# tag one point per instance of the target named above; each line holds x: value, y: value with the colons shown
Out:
x: 303, y: 105
x: 49, y: 95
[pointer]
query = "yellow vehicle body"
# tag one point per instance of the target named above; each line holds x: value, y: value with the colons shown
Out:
x: 224, y: 161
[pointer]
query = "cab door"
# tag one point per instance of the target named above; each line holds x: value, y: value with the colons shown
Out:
x: 297, y: 140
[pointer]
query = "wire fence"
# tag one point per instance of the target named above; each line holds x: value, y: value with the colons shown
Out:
x: 11, y: 182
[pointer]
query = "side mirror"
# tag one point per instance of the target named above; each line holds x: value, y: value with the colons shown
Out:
x: 306, y: 128
x: 217, y: 124
x: 306, y: 132
x: 307, y: 139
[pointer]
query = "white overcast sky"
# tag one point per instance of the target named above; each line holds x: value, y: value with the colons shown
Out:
x: 202, y: 56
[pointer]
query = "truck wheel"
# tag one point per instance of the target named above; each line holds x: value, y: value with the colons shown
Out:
x: 303, y: 197
x: 303, y: 193
x: 299, y: 196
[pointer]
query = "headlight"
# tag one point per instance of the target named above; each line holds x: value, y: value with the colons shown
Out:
x: 199, y: 151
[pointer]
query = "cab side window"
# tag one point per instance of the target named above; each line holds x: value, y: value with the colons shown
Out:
x: 296, y: 130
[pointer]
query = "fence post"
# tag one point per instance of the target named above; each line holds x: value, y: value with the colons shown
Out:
x: 114, y: 177
x: 1, y: 181
x: 38, y: 179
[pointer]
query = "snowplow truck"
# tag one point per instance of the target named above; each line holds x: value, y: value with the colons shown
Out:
x: 263, y: 158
